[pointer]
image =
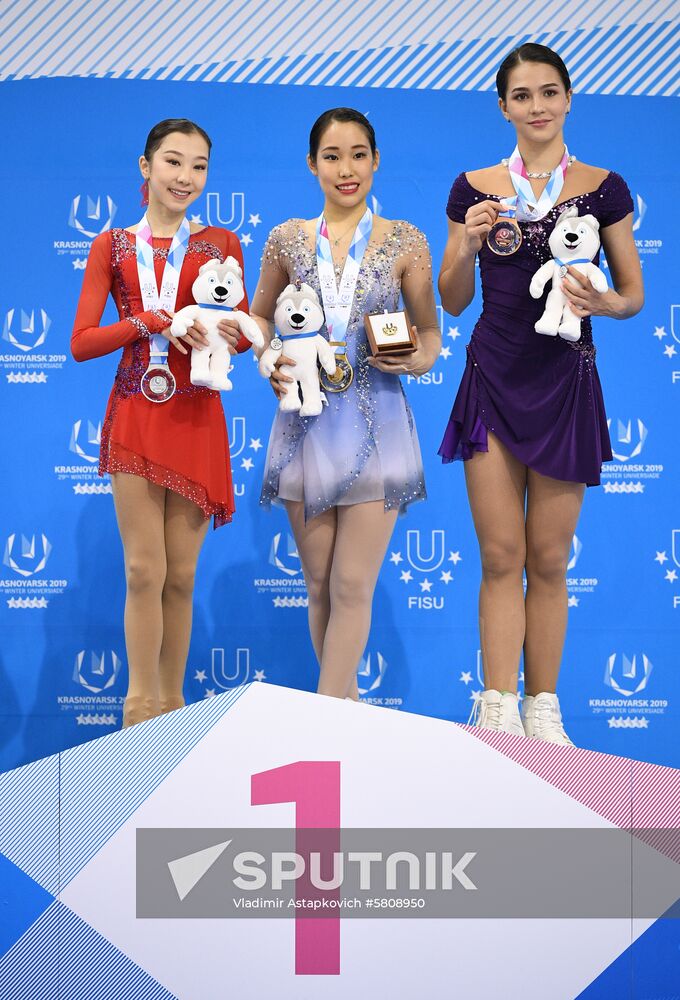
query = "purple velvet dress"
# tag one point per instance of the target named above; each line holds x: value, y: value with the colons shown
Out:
x: 540, y: 396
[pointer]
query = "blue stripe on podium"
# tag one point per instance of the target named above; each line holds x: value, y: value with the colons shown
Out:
x: 128, y: 765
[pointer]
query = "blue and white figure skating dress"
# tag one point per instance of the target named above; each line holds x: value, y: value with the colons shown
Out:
x: 364, y: 444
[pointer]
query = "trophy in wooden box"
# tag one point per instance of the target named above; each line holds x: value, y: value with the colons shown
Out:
x: 389, y: 333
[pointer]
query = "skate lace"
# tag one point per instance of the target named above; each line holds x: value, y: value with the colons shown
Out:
x: 548, y: 720
x: 486, y: 714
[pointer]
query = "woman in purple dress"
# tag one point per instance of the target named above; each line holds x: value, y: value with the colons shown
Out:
x: 529, y: 417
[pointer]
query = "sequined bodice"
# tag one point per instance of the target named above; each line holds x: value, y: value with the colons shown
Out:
x: 379, y: 281
x: 507, y: 304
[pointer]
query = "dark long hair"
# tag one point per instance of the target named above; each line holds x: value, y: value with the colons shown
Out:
x: 338, y: 115
x: 530, y: 52
x: 166, y: 127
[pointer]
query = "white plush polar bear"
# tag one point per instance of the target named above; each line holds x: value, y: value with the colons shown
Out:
x: 574, y: 242
x: 217, y: 289
x: 297, y: 317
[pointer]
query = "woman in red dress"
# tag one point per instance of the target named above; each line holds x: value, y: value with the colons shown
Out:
x: 169, y: 461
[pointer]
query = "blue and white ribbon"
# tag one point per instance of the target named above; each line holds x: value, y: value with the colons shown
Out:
x: 166, y: 298
x: 525, y: 204
x: 337, y: 302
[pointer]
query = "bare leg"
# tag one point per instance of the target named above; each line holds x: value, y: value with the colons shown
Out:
x: 315, y: 541
x: 140, y: 510
x: 185, y: 531
x: 553, y: 509
x: 496, y: 484
x: 363, y: 534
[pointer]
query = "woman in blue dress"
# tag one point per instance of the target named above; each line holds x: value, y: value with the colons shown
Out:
x: 345, y: 475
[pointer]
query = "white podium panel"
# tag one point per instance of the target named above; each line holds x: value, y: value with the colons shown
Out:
x: 263, y: 758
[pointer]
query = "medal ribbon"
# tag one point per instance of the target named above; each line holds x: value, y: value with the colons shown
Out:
x: 337, y: 302
x: 526, y: 206
x: 166, y: 298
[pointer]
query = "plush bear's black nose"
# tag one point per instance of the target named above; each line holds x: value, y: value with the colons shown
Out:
x: 297, y: 319
x: 220, y: 290
x: 571, y: 237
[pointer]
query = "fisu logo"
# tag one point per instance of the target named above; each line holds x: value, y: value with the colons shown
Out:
x: 28, y: 557
x: 26, y: 331
x: 287, y: 562
x: 238, y: 210
x: 240, y: 674
x: 432, y: 560
x: 675, y: 546
x: 576, y: 549
x: 237, y: 438
x: 628, y: 444
x: 94, y: 217
x: 96, y: 672
x: 630, y: 677
x: 93, y: 441
x: 675, y: 322
x: 371, y: 672
x: 641, y: 212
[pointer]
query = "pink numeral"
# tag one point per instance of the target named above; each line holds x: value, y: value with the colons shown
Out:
x: 314, y: 787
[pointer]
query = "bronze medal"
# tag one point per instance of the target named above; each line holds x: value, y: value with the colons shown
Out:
x: 505, y: 237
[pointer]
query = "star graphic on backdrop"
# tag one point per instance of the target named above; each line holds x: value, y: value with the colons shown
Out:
x: 396, y: 558
x: 475, y: 696
x: 671, y: 575
x: 661, y: 558
x: 611, y: 723
x: 445, y: 353
x: 446, y: 576
x: 573, y: 601
x: 454, y: 333
x: 466, y: 677
x: 255, y: 444
x: 79, y: 263
x: 200, y: 675
x: 197, y: 219
x: 659, y: 332
x: 455, y: 558
x: 80, y: 719
x: 210, y: 693
x: 259, y: 675
x: 670, y: 351
x: 246, y: 239
x: 247, y: 464
x: 426, y: 585
x: 406, y: 575
x: 254, y: 220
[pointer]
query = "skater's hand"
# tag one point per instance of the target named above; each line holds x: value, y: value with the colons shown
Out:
x: 479, y: 219
x: 230, y: 330
x: 195, y: 337
x: 416, y: 363
x: 582, y: 297
x: 278, y: 379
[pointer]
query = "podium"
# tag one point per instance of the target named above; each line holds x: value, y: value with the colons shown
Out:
x: 110, y: 853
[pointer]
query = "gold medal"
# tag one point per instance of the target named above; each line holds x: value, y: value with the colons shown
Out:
x: 344, y: 373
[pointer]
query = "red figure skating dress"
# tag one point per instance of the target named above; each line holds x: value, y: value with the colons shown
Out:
x: 181, y: 444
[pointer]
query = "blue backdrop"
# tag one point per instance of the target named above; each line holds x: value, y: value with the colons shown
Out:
x: 69, y: 171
